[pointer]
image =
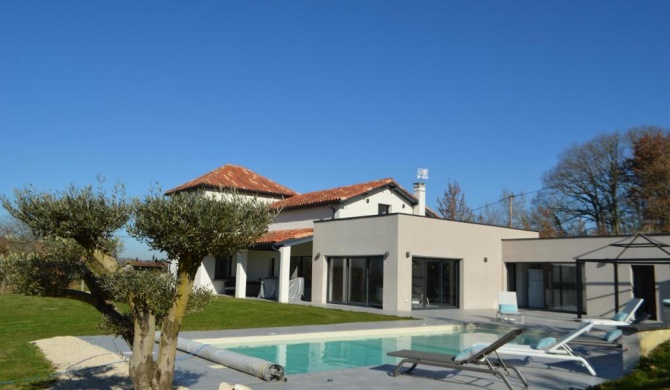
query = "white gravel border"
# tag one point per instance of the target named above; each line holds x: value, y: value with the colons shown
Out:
x: 83, y: 365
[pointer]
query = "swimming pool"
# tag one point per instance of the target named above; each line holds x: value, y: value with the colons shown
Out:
x: 317, y: 352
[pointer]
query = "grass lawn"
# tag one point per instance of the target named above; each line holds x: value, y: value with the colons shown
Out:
x: 652, y: 372
x: 24, y: 319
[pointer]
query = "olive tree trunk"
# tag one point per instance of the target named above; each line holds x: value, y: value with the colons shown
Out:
x: 143, y: 368
x: 172, y: 323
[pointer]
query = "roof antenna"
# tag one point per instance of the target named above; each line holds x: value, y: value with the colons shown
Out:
x: 422, y: 174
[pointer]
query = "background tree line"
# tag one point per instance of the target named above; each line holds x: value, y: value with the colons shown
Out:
x: 616, y: 183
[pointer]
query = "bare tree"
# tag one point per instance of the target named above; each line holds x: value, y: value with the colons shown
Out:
x: 589, y: 183
x: 452, y: 205
x: 510, y: 211
x: 16, y: 236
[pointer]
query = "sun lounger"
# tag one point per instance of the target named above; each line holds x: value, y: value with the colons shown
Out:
x: 550, y: 348
x: 611, y: 339
x: 624, y: 317
x: 471, y: 359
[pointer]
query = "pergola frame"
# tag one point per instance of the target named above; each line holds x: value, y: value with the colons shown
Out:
x: 628, y: 243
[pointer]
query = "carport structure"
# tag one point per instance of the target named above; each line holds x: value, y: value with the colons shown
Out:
x: 635, y: 250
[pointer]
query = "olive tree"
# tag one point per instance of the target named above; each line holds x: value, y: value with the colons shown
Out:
x: 88, y: 217
x: 185, y: 226
x: 188, y: 226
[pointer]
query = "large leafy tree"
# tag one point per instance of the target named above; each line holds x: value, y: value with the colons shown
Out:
x: 186, y: 226
x: 650, y: 177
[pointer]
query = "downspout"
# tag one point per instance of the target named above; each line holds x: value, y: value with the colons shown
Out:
x: 334, y: 211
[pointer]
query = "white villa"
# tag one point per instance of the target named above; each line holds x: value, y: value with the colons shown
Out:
x: 376, y: 244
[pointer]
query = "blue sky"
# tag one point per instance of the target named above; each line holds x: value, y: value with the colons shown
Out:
x: 318, y: 94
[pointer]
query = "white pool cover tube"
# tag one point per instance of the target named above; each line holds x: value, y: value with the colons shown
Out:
x: 248, y: 364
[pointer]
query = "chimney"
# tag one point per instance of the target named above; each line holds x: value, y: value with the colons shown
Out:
x: 420, y: 194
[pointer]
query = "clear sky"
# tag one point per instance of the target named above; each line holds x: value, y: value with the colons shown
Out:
x: 321, y: 93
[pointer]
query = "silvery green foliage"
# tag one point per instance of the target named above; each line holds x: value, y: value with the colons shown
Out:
x: 150, y: 291
x: 31, y: 274
x: 190, y: 225
x: 87, y: 215
x: 143, y: 290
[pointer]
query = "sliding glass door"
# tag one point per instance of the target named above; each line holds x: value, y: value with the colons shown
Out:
x: 356, y: 280
x: 434, y: 283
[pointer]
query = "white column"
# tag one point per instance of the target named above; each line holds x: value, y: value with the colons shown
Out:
x: 241, y: 274
x: 284, y: 273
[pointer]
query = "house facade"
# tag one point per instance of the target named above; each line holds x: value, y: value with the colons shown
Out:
x: 376, y: 244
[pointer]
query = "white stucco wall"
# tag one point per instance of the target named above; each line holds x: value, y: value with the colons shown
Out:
x: 205, y: 274
x: 224, y: 195
x: 369, y: 205
x: 300, y: 218
x: 362, y: 206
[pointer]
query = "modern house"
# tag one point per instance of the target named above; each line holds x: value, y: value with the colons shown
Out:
x: 376, y: 244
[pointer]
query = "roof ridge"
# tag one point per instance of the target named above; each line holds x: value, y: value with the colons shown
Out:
x: 236, y: 177
x: 335, y: 194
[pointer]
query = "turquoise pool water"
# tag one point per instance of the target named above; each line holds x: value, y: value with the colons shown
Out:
x: 301, y: 357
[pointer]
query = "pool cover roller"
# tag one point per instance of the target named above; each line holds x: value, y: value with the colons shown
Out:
x: 251, y: 365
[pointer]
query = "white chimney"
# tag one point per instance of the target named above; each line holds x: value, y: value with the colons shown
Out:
x: 420, y: 194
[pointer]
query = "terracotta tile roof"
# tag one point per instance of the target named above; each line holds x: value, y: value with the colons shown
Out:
x: 148, y: 264
x: 283, y: 235
x: 334, y: 195
x: 236, y: 177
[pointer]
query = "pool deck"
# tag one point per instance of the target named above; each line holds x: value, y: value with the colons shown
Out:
x: 197, y: 373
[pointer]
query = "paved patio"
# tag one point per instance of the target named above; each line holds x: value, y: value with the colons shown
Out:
x: 196, y: 373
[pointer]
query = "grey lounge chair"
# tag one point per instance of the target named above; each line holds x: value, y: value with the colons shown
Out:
x: 550, y: 348
x: 471, y: 359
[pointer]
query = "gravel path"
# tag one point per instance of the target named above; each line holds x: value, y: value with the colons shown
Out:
x: 84, y: 365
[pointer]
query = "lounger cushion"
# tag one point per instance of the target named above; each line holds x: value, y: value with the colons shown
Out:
x: 545, y: 343
x: 612, y: 335
x: 506, y: 308
x: 620, y: 317
x: 467, y: 353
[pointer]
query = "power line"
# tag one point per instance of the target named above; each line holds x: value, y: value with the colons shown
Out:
x: 509, y: 196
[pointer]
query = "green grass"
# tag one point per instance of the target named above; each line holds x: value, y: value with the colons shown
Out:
x: 24, y: 319
x: 652, y: 372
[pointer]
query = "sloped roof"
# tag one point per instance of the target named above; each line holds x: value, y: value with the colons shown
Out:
x: 275, y: 236
x: 238, y: 178
x: 337, y: 195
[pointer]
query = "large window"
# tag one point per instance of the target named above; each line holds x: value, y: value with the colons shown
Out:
x: 564, y: 287
x: 434, y: 283
x: 223, y: 267
x: 549, y: 286
x: 356, y: 280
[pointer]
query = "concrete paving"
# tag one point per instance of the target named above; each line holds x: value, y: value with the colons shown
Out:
x: 196, y: 373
